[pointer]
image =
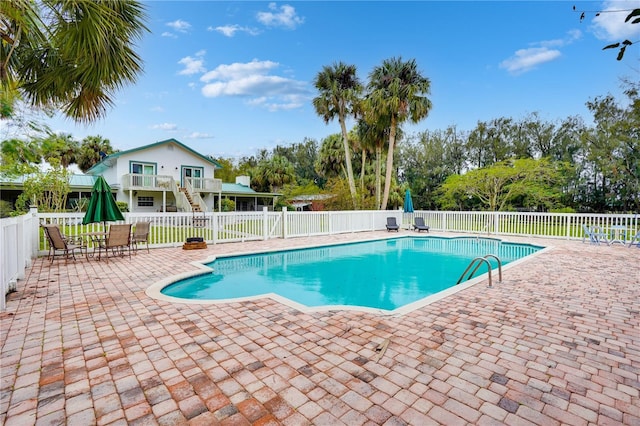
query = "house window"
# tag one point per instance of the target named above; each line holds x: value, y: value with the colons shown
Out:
x: 145, y: 201
x: 143, y: 169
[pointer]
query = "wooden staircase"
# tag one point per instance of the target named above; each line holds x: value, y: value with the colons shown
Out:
x: 194, y: 207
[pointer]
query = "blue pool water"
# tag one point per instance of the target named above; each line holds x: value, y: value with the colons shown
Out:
x: 383, y: 274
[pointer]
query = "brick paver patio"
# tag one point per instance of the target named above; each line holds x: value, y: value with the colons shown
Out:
x: 557, y: 342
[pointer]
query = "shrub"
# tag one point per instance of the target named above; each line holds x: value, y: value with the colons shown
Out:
x: 123, y: 206
x: 563, y: 210
x: 228, y: 205
x: 6, y: 208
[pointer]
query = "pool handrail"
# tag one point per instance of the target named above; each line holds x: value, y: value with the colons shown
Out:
x: 478, y: 262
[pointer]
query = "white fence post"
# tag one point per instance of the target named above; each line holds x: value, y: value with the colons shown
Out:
x: 265, y: 223
x: 284, y: 222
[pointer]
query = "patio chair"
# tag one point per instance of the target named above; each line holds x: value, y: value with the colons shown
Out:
x: 419, y: 225
x: 635, y: 240
x: 140, y: 235
x: 392, y: 225
x: 118, y: 241
x: 59, y: 243
x: 595, y: 234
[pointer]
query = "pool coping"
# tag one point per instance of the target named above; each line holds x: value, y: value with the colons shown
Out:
x: 155, y: 290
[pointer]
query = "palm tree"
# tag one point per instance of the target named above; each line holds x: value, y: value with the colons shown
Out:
x: 330, y: 161
x: 397, y: 92
x: 90, y: 151
x: 62, y: 147
x: 271, y: 174
x: 339, y: 96
x: 68, y: 54
x: 373, y: 137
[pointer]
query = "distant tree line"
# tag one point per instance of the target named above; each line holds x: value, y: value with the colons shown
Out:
x: 502, y: 164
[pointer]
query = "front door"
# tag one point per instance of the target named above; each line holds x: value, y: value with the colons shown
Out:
x: 194, y: 175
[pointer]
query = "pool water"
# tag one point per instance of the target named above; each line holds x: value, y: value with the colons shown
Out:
x: 382, y: 274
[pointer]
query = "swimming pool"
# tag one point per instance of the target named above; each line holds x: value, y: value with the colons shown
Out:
x: 380, y: 275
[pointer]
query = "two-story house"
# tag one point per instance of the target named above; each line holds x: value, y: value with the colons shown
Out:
x: 162, y: 176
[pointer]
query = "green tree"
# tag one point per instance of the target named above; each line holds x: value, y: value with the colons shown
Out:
x: 303, y: 157
x: 89, y: 152
x: 46, y: 189
x: 397, y: 92
x: 374, y: 136
x: 339, y: 96
x: 272, y: 173
x: 423, y: 159
x: 613, y: 153
x: 330, y: 161
x: 68, y: 54
x: 534, y: 183
x: 61, y: 147
x: 19, y: 157
x: 228, y: 172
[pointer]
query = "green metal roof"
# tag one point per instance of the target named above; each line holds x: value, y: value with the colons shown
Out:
x: 107, y: 162
x: 76, y: 181
x: 237, y: 189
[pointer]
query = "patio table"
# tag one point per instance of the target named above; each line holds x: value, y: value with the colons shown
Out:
x: 96, y: 239
x: 617, y: 234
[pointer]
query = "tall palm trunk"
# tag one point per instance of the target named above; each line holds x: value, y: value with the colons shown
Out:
x: 389, y: 171
x: 362, y: 171
x: 347, y: 158
x: 378, y: 175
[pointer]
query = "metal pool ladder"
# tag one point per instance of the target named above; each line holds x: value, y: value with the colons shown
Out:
x: 478, y: 261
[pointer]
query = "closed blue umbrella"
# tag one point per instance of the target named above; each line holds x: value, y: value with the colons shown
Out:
x: 408, y: 202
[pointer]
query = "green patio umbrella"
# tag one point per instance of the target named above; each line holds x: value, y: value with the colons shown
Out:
x: 102, y: 206
x: 408, y: 202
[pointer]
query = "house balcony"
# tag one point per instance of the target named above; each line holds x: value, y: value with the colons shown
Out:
x: 140, y: 182
x: 206, y: 185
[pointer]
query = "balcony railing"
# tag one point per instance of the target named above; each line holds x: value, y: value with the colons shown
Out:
x: 133, y: 181
x: 205, y: 184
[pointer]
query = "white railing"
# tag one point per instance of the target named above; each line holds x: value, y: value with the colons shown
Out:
x: 21, y: 239
x: 205, y: 184
x: 195, y: 196
x: 18, y: 243
x: 136, y: 181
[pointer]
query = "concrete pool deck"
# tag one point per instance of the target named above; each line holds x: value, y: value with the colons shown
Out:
x: 557, y: 342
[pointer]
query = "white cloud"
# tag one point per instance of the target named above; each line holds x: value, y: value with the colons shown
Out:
x: 571, y: 36
x: 179, y: 25
x: 239, y: 70
x: 284, y: 17
x: 231, y: 30
x: 256, y: 82
x: 540, y: 52
x: 192, y: 65
x: 157, y: 109
x: 169, y: 127
x: 527, y: 59
x: 198, y: 135
x: 609, y: 24
x: 168, y: 34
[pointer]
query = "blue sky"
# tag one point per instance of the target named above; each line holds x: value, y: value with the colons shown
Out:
x: 230, y: 78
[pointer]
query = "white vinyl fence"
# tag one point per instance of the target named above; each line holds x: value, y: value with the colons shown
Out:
x: 22, y: 238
